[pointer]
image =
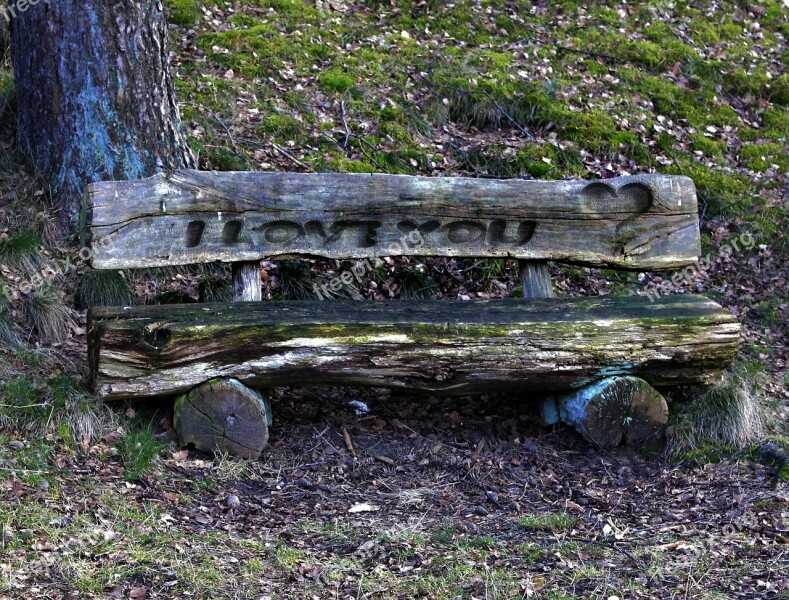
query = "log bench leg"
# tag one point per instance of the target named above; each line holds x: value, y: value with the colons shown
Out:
x: 612, y: 411
x: 223, y: 415
x: 609, y: 411
x: 246, y: 282
x: 535, y: 279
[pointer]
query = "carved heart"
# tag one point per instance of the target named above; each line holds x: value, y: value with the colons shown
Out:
x: 630, y: 200
x: 627, y: 204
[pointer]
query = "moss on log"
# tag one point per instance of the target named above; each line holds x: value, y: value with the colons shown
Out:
x: 448, y: 347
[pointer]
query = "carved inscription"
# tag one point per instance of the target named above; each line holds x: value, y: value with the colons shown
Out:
x: 636, y: 222
x: 367, y: 233
x: 280, y: 232
x: 194, y: 233
x: 231, y: 232
x: 632, y: 200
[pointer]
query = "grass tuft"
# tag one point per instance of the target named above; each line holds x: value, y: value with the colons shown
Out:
x: 7, y: 88
x: 5, y: 41
x: 216, y: 288
x: 48, y: 315
x: 485, y: 273
x: 336, y: 81
x: 412, y: 282
x: 20, y: 250
x: 726, y: 416
x: 229, y: 468
x: 58, y: 405
x: 295, y: 280
x: 548, y: 522
x: 23, y: 407
x: 80, y: 418
x: 140, y: 448
x: 104, y: 288
x: 184, y: 12
x: 9, y: 338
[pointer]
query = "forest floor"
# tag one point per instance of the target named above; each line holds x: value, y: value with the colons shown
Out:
x: 436, y: 499
x: 421, y: 497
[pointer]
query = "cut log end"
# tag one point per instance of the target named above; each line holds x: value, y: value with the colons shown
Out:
x: 223, y: 415
x: 616, y: 411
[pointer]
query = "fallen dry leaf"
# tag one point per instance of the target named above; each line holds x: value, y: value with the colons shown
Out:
x: 363, y: 507
x: 180, y: 455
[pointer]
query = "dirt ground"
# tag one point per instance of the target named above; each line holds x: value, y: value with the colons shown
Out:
x: 419, y: 497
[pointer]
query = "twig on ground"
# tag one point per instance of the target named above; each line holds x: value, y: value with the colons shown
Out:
x: 384, y: 459
x: 466, y: 162
x: 348, y: 442
x: 265, y: 145
x: 345, y: 123
x: 608, y: 543
x: 348, y: 150
x: 227, y: 131
x: 564, y: 48
x: 282, y: 150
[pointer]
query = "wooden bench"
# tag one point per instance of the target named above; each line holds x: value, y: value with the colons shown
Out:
x: 589, y: 351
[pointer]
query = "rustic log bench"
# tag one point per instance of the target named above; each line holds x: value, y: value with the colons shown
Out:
x: 594, y: 356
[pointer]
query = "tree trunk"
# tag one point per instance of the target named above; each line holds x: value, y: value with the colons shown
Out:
x: 94, y: 95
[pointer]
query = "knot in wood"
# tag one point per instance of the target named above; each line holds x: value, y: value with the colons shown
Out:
x: 157, y: 335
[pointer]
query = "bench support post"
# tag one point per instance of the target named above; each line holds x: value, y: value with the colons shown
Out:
x: 246, y: 282
x: 223, y: 415
x: 535, y: 279
x: 613, y: 411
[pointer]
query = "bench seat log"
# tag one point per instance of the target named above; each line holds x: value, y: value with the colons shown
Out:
x: 449, y: 347
x: 185, y: 217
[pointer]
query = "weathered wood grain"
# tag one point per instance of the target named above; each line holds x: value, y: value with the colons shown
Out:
x: 246, y: 282
x: 645, y: 221
x: 222, y: 415
x: 535, y: 279
x: 448, y: 347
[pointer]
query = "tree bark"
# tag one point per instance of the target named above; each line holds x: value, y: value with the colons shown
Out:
x: 94, y: 95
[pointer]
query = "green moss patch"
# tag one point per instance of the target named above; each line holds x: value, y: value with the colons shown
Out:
x: 760, y: 157
x: 184, y: 12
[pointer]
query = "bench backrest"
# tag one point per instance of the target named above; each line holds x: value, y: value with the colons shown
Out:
x: 185, y: 217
